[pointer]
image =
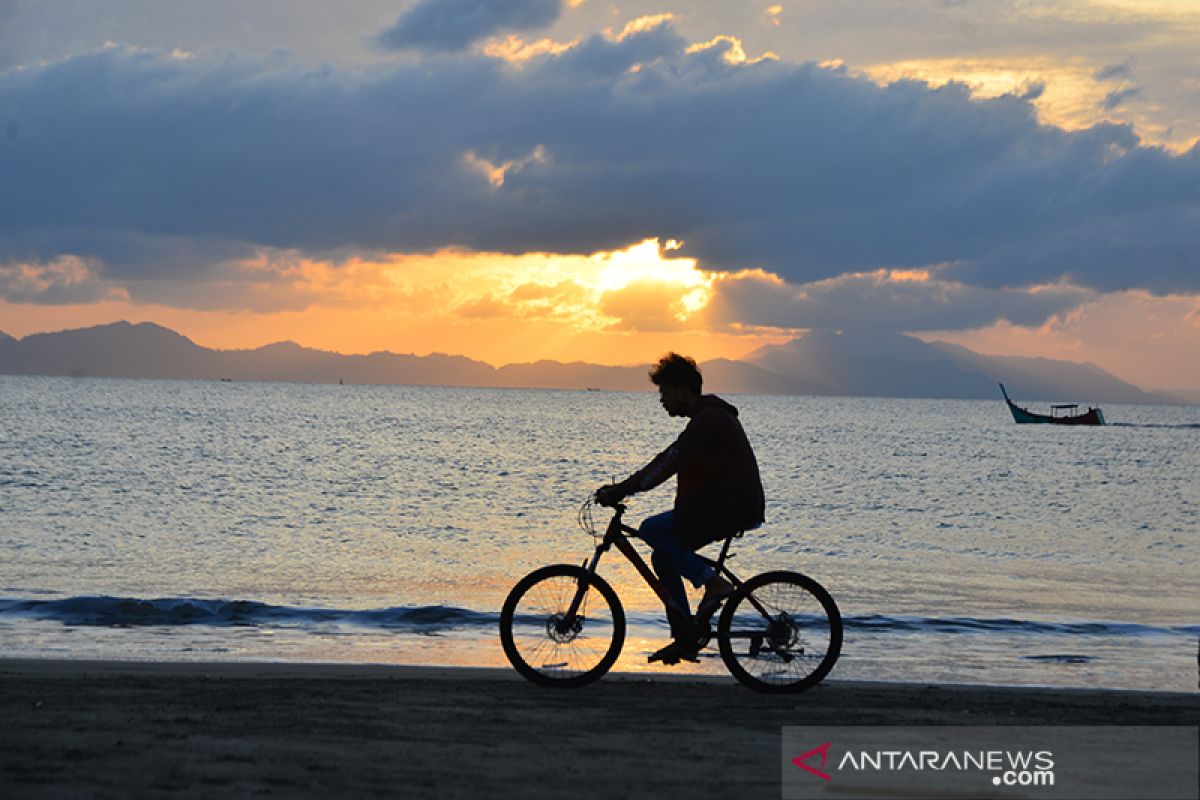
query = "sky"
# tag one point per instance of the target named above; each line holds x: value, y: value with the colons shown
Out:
x: 581, y: 180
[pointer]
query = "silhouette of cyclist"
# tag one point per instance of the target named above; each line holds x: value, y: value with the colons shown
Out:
x: 718, y: 493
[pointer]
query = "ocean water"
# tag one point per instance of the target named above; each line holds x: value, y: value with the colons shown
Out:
x: 177, y: 520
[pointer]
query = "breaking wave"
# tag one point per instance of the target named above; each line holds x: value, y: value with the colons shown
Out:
x: 130, y: 612
x: 879, y: 623
x: 103, y: 611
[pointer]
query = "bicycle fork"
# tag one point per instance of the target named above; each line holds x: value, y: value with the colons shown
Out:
x: 581, y: 588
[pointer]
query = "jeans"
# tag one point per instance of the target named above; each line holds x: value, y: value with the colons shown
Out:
x: 673, y: 561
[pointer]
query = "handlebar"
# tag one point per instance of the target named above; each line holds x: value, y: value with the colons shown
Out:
x: 584, y: 517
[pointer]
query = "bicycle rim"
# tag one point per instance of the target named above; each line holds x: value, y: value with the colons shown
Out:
x: 781, y: 632
x: 545, y: 651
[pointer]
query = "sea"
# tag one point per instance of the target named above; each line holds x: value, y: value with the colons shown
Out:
x: 234, y: 521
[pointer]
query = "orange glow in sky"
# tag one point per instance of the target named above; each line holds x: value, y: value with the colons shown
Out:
x: 626, y: 306
x: 493, y: 307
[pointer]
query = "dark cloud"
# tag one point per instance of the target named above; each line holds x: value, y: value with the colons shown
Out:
x: 64, y: 281
x: 879, y: 301
x: 159, y: 166
x: 265, y: 285
x: 1118, y: 96
x: 453, y: 25
x: 1115, y: 72
x: 602, y: 58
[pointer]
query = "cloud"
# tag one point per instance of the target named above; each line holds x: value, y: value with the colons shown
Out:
x: 565, y: 301
x: 485, y: 307
x: 454, y: 25
x: 1118, y: 96
x: 495, y: 173
x: 158, y: 168
x: 1121, y: 72
x: 891, y: 300
x: 608, y: 58
x: 647, y: 306
x: 64, y: 281
x: 1115, y: 72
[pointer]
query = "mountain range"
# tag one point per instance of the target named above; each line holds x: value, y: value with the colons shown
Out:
x: 818, y: 363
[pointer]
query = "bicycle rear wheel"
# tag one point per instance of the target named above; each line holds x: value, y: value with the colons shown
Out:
x: 537, y: 644
x: 781, y: 632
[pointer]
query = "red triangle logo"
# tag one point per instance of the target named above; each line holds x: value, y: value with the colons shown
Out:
x: 823, y: 751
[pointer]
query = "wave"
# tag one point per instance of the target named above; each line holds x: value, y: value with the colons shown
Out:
x: 1062, y: 658
x: 103, y: 611
x: 878, y: 623
x: 1178, y: 426
x: 131, y: 612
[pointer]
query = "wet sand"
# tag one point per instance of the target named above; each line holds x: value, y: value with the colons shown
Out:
x: 112, y: 729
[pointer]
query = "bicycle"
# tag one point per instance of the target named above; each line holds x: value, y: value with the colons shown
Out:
x: 564, y: 626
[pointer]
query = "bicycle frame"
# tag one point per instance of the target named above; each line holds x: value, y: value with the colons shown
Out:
x: 617, y: 534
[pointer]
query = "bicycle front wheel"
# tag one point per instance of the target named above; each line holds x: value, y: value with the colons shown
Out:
x: 543, y: 646
x: 781, y: 632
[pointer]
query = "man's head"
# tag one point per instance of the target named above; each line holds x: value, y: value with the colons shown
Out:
x: 679, y: 381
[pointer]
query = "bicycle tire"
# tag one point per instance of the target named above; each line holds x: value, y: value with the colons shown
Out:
x: 528, y: 639
x: 799, y: 644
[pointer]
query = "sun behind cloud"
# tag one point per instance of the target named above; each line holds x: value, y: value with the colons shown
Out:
x: 620, y: 306
x: 613, y: 289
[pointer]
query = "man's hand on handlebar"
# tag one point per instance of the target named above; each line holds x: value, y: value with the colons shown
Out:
x: 610, y: 494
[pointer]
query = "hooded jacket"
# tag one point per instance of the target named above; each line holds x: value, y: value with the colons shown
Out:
x: 719, y: 490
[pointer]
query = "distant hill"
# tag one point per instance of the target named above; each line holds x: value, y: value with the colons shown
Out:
x: 147, y: 350
x: 1047, y: 379
x: 119, y: 349
x: 1189, y: 397
x: 722, y: 374
x: 575, y: 375
x: 819, y: 363
x: 874, y: 365
x: 4, y: 337
x: 895, y: 365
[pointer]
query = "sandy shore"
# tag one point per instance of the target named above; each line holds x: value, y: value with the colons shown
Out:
x: 108, y: 729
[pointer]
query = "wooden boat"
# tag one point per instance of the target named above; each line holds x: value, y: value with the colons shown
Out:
x: 1061, y: 414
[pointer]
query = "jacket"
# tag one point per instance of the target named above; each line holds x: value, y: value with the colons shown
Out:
x: 719, y: 491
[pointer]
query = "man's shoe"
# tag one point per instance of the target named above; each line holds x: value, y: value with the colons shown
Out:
x: 675, y: 652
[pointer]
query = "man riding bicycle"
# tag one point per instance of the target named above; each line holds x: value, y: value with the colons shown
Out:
x: 718, y: 493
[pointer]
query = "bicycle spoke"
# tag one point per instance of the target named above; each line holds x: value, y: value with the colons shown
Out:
x: 542, y: 642
x: 780, y: 635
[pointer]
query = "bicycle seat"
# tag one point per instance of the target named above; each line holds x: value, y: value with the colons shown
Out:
x: 743, y: 531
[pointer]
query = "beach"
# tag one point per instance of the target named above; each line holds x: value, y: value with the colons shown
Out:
x: 184, y: 730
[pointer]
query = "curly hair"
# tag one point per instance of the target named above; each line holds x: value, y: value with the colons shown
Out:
x: 676, y: 370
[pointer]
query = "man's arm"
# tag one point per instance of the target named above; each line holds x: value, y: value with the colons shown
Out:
x: 690, y: 442
x: 612, y: 493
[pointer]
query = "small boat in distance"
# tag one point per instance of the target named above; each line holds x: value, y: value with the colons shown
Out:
x: 1062, y: 414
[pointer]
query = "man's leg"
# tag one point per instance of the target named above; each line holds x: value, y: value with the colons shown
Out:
x: 672, y: 560
x: 680, y: 617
